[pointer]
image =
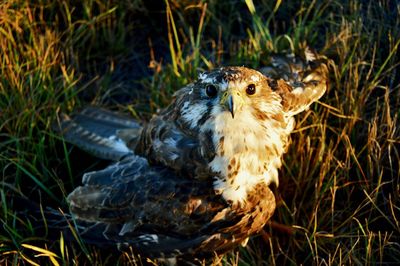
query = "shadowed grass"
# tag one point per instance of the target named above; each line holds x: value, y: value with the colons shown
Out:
x: 339, y: 190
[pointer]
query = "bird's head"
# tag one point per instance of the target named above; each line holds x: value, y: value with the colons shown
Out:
x: 236, y: 89
x: 243, y: 94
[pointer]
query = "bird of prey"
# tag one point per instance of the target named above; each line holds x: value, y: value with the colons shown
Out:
x: 195, y: 180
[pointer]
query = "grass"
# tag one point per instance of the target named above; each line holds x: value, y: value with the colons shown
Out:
x: 340, y: 185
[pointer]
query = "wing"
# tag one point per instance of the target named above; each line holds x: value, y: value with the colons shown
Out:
x: 133, y: 204
x: 173, y: 140
x: 103, y: 133
x: 300, y: 80
x: 166, y: 140
x: 161, y: 215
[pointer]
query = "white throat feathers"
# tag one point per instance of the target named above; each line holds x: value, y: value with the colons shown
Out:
x: 246, y: 156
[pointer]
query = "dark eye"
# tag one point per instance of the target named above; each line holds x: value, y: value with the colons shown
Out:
x: 211, y: 90
x: 251, y: 89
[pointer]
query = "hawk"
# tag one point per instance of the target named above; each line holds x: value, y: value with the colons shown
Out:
x: 194, y: 180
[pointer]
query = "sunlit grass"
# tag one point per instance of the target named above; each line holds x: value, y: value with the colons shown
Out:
x: 339, y: 188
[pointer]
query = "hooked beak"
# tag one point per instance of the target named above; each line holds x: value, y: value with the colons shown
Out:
x: 231, y: 105
x: 231, y: 100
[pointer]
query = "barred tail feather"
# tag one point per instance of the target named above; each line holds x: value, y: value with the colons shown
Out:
x: 104, y: 134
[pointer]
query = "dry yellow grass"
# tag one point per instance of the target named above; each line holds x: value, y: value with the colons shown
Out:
x: 340, y: 185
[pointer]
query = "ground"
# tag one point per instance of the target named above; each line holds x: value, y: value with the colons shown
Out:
x: 338, y: 198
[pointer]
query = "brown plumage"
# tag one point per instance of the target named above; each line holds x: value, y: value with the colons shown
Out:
x: 195, y: 179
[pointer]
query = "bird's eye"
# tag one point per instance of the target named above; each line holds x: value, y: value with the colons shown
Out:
x: 211, y: 90
x: 251, y: 89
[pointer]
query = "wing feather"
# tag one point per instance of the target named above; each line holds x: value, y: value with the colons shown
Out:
x: 160, y: 214
x: 300, y: 81
x: 167, y: 140
x: 100, y: 132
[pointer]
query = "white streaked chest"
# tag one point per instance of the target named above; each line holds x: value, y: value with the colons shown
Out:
x: 248, y: 152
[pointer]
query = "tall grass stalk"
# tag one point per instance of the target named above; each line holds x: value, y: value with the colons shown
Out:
x: 338, y: 199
